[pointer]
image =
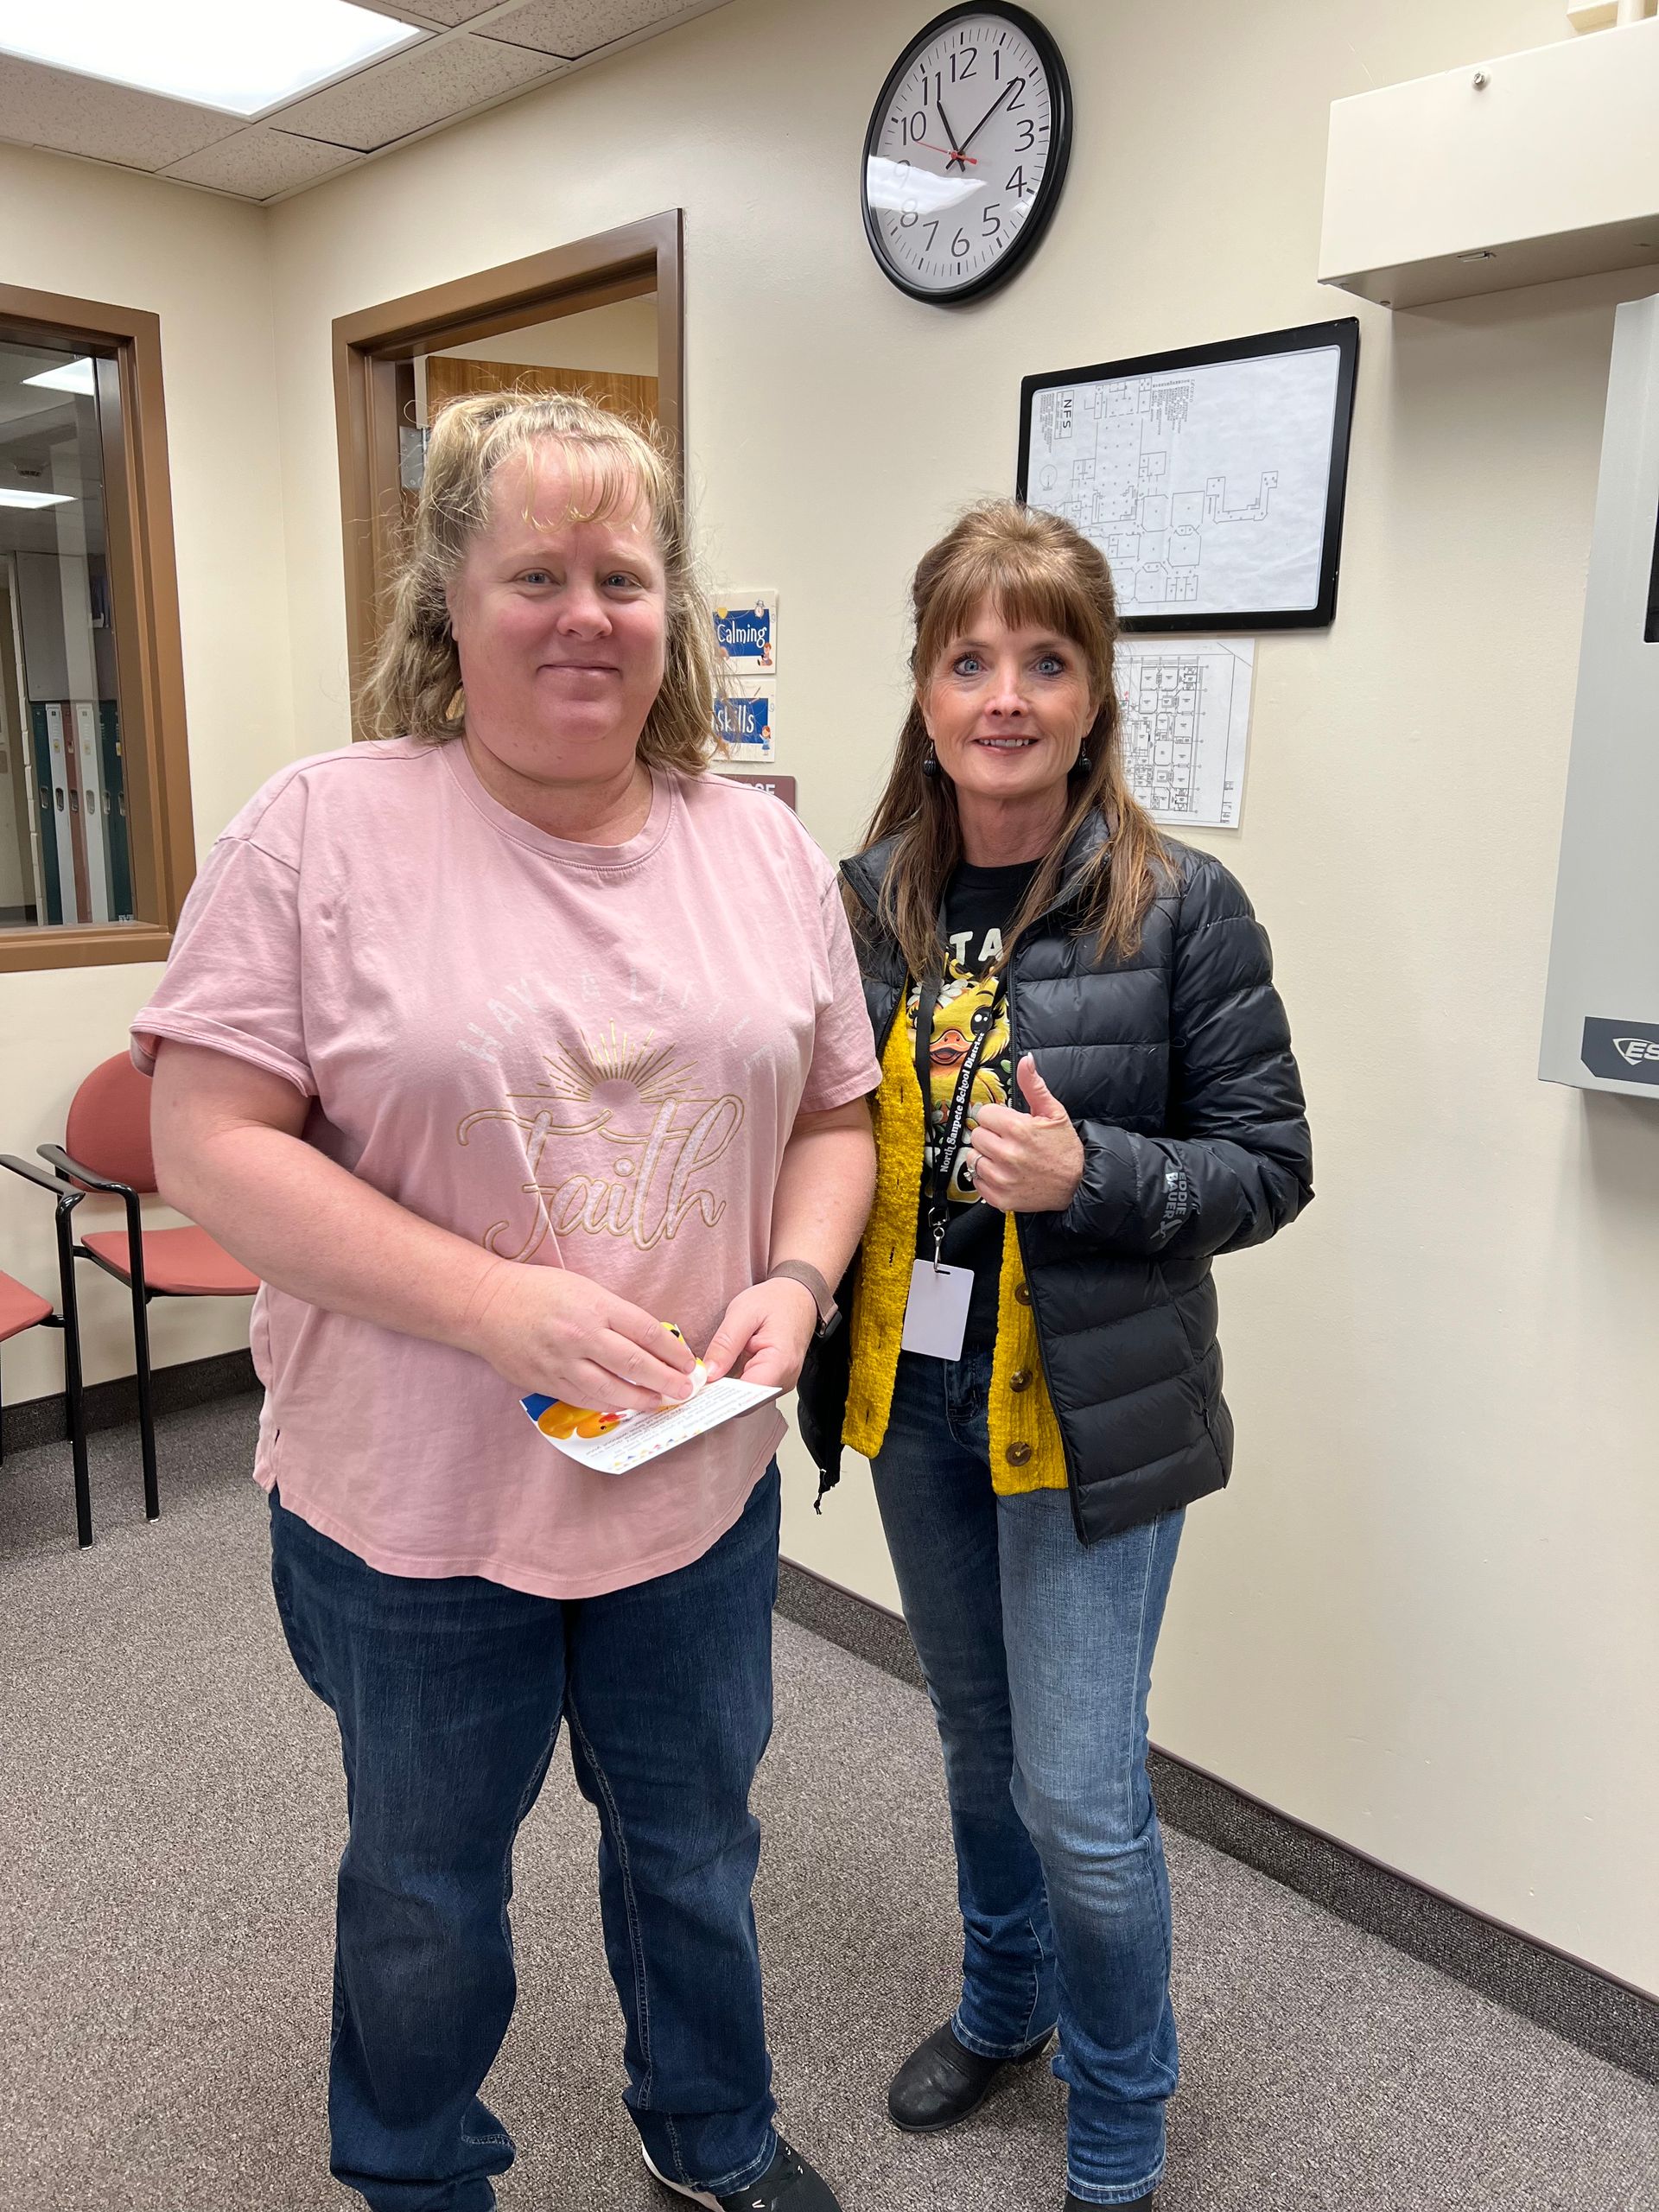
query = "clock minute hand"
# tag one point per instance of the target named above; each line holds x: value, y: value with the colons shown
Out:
x: 1016, y: 86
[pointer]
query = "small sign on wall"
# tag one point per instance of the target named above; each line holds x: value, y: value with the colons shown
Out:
x: 743, y: 722
x: 781, y: 787
x: 745, y: 641
x: 746, y: 631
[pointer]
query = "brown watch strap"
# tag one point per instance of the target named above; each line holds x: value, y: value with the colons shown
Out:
x: 803, y: 1271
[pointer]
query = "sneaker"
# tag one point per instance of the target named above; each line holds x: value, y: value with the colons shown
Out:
x: 789, y: 2185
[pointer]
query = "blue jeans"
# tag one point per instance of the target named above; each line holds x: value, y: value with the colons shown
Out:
x: 450, y: 1695
x: 1038, y: 1654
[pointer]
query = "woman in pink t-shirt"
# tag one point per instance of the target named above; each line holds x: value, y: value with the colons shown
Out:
x: 489, y: 1047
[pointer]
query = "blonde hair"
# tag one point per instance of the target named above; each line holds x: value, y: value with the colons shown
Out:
x: 414, y: 688
x: 1032, y: 568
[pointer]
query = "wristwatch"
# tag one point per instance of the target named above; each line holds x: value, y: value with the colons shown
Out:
x: 803, y: 1271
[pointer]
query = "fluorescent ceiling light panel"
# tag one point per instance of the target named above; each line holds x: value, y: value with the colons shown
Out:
x: 237, y: 57
x: 74, y: 376
x: 34, y: 499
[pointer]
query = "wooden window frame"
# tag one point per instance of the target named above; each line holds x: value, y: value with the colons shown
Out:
x: 144, y: 609
x: 620, y: 264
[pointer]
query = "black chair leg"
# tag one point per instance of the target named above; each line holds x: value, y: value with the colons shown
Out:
x: 146, y: 1416
x: 73, y: 1401
x: 3, y: 1423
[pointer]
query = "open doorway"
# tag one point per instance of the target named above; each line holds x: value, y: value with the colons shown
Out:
x: 605, y: 353
x: 601, y: 317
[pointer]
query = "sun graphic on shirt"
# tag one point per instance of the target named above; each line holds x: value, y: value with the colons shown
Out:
x: 616, y: 1073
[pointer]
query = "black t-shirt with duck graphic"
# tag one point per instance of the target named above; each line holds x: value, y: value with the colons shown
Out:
x: 979, y: 903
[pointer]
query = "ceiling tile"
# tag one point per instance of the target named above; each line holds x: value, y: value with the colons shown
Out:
x: 260, y: 163
x: 83, y: 115
x: 436, y: 81
x: 574, y: 28
x: 448, y: 15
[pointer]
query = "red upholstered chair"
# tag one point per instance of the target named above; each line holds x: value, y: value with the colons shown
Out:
x: 106, y: 1147
x: 20, y: 1308
x: 17, y: 1300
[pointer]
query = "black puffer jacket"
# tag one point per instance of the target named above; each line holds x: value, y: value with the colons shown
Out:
x: 1175, y: 1066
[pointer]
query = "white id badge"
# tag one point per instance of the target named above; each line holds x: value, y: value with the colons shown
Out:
x: 935, y: 1316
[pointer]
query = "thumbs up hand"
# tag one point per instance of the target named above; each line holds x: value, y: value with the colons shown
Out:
x: 1027, y: 1163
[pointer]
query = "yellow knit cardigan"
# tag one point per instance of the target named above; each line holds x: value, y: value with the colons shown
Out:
x: 1025, y: 1449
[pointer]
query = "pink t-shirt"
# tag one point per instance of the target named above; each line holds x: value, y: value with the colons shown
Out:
x: 580, y: 1055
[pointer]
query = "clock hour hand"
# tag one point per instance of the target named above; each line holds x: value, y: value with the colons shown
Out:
x: 950, y: 139
x: 1018, y: 85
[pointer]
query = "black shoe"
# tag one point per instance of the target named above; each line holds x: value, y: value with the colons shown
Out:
x: 789, y: 2185
x: 1081, y: 2204
x: 941, y: 2083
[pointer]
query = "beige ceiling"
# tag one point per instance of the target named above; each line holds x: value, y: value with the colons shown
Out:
x: 475, y: 53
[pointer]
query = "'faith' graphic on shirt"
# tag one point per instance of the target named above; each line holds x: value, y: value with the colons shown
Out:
x: 616, y: 1145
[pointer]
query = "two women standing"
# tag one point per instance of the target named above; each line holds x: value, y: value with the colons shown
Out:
x: 1032, y: 1365
x: 495, y: 1044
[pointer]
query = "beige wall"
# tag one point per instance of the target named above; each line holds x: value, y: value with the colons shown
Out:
x: 1424, y: 1618
x: 201, y: 263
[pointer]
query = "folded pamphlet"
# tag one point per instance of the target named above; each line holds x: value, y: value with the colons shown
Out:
x: 631, y: 1440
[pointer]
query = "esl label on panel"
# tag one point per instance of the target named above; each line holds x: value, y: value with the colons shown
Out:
x: 1624, y: 1052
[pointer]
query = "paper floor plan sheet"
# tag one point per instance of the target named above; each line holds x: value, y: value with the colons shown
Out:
x: 1205, y: 486
x: 1185, y: 705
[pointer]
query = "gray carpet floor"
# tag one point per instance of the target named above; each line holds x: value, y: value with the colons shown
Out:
x: 170, y: 1814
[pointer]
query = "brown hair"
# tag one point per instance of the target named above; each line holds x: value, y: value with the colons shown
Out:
x: 414, y: 689
x: 1033, y: 568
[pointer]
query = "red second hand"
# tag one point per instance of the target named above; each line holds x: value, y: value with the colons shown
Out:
x: 971, y: 159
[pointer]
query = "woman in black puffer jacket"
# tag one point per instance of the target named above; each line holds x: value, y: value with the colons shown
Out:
x: 1031, y: 1362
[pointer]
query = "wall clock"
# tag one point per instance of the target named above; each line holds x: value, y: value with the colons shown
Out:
x: 966, y: 152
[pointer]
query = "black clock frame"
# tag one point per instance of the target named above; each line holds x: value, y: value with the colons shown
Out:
x: 1048, y: 193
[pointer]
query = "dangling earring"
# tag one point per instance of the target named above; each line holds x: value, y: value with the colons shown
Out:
x: 930, y: 762
x: 456, y: 710
x: 1082, y: 765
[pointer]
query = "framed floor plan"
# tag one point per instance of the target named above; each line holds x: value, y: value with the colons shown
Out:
x: 1212, y: 479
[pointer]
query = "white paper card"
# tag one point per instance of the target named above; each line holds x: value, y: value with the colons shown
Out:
x: 647, y: 1436
x: 936, y: 1314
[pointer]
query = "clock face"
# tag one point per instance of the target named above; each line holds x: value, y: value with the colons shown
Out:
x: 966, y: 152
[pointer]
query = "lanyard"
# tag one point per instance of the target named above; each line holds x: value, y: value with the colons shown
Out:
x: 949, y: 1143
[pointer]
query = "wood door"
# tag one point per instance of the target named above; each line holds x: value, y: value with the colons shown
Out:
x: 448, y: 379
x: 372, y: 346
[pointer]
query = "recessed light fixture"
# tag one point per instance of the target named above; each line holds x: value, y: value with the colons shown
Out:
x: 74, y: 376
x: 239, y: 58
x: 34, y: 499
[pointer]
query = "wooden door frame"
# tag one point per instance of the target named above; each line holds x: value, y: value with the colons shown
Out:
x: 148, y: 650
x: 620, y: 265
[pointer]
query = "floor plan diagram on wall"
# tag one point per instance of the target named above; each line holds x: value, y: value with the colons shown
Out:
x: 1205, y: 486
x: 1185, y: 705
